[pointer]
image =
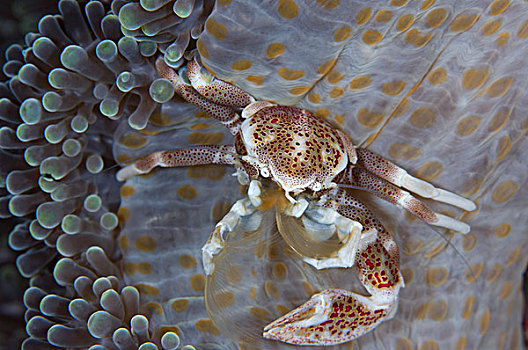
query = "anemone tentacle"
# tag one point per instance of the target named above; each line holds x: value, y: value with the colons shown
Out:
x: 437, y: 88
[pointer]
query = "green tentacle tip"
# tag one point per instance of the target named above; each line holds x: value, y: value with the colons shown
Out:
x: 47, y: 185
x: 94, y: 163
x: 71, y: 224
x: 109, y: 107
x: 101, y: 324
x: 129, y: 17
x: 152, y: 5
x: 139, y: 323
x: 174, y: 53
x: 55, y: 78
x: 72, y: 56
x: 109, y: 221
x: 42, y: 43
x: 54, y: 133
x: 28, y: 71
x: 175, y: 65
x: 100, y: 91
x: 97, y: 347
x: 53, y: 166
x: 106, y: 50
x: 161, y: 90
x: 14, y: 207
x: 148, y: 346
x: 79, y: 124
x: 126, y: 81
x: 11, y: 181
x: 23, y: 132
x: 30, y: 158
x: 148, y: 48
x: 48, y: 216
x: 38, y: 232
x: 170, y: 341
x: 183, y: 8
x: 30, y: 111
x: 121, y: 335
x: 93, y: 203
x: 127, y: 43
x: 51, y: 101
x: 61, y: 193
x: 101, y: 285
x: 63, y: 79
x: 71, y: 147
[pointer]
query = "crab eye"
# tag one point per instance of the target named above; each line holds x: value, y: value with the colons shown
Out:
x: 264, y: 172
x: 317, y: 186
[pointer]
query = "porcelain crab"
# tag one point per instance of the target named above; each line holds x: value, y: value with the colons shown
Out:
x: 307, y: 158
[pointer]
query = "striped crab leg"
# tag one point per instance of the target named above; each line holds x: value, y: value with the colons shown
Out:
x: 384, y: 179
x: 215, y: 90
x: 215, y: 97
x: 335, y: 316
x: 389, y: 171
x: 207, y: 154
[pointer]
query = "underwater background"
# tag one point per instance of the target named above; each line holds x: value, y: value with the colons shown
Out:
x: 438, y: 88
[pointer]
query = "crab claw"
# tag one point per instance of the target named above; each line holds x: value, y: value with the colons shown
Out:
x: 331, y: 317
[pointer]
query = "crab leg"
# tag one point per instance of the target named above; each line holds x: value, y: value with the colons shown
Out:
x: 349, y: 147
x: 226, y: 115
x: 335, y: 316
x: 363, y: 179
x: 203, y: 93
x: 389, y: 171
x: 198, y: 155
x: 216, y: 90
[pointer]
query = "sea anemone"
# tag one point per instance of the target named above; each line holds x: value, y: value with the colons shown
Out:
x: 439, y: 89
